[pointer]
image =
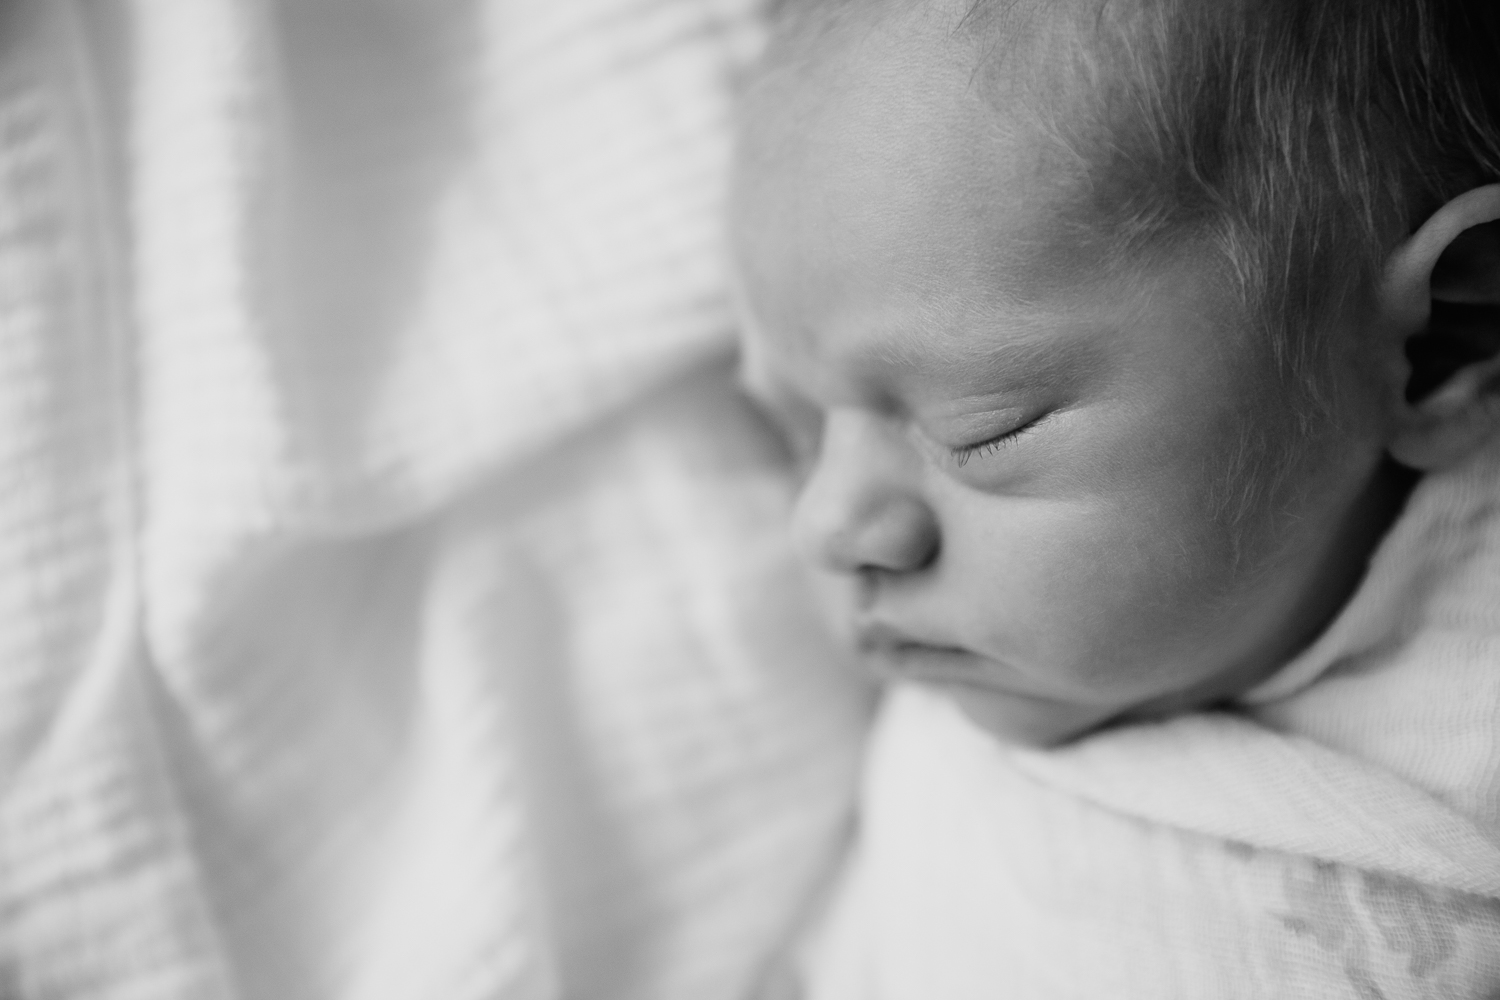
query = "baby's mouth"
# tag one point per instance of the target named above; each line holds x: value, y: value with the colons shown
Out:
x: 895, y: 655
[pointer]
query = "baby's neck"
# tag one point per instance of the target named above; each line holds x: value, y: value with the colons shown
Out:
x: 1343, y: 570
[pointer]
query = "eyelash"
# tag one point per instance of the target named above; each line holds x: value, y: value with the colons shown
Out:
x: 962, y: 455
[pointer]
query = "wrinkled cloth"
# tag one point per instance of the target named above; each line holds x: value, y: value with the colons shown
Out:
x: 1337, y: 835
x: 393, y: 595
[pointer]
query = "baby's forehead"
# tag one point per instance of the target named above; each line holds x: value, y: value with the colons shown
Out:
x: 1034, y: 69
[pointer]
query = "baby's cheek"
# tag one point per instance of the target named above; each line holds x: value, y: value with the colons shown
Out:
x: 1126, y: 598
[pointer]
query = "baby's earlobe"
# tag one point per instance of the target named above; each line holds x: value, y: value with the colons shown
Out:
x: 1455, y: 419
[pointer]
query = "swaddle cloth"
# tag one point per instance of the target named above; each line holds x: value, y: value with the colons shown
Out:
x: 394, y: 600
x: 1336, y: 836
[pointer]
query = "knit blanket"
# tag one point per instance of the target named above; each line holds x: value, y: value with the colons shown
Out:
x: 393, y: 597
x: 1337, y: 835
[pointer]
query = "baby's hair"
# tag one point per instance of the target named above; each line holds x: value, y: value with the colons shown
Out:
x: 1307, y: 137
x: 1301, y: 138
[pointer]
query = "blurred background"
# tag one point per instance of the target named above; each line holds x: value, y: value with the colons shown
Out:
x: 394, y: 593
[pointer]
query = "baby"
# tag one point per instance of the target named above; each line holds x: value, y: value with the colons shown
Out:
x: 1112, y: 337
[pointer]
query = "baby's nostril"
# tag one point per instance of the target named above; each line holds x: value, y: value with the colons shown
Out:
x: 934, y: 549
x: 899, y: 537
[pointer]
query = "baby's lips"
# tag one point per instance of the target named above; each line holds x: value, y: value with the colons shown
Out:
x: 880, y: 637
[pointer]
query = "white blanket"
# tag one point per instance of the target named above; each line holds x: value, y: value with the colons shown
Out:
x: 1339, y: 836
x: 393, y: 599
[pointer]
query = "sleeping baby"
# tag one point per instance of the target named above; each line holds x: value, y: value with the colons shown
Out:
x: 1139, y: 361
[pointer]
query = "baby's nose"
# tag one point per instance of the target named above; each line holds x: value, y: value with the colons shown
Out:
x: 859, y: 510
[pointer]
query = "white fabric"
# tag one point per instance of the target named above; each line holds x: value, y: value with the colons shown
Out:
x: 1338, y: 837
x: 393, y: 599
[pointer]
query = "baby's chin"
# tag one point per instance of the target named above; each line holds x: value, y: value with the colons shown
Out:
x: 1023, y: 721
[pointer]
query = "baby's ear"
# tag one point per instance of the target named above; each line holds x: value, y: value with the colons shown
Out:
x: 1440, y: 295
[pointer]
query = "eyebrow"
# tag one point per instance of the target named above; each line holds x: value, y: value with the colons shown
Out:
x: 971, y: 364
x: 981, y: 362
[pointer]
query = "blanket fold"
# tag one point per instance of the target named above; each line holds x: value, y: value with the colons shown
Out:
x: 393, y: 596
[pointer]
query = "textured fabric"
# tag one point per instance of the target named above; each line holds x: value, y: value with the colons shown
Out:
x: 393, y: 596
x: 1337, y: 836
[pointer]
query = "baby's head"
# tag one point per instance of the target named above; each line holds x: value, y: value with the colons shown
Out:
x: 1112, y: 333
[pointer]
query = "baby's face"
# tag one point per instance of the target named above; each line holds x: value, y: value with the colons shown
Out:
x: 1025, y: 480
